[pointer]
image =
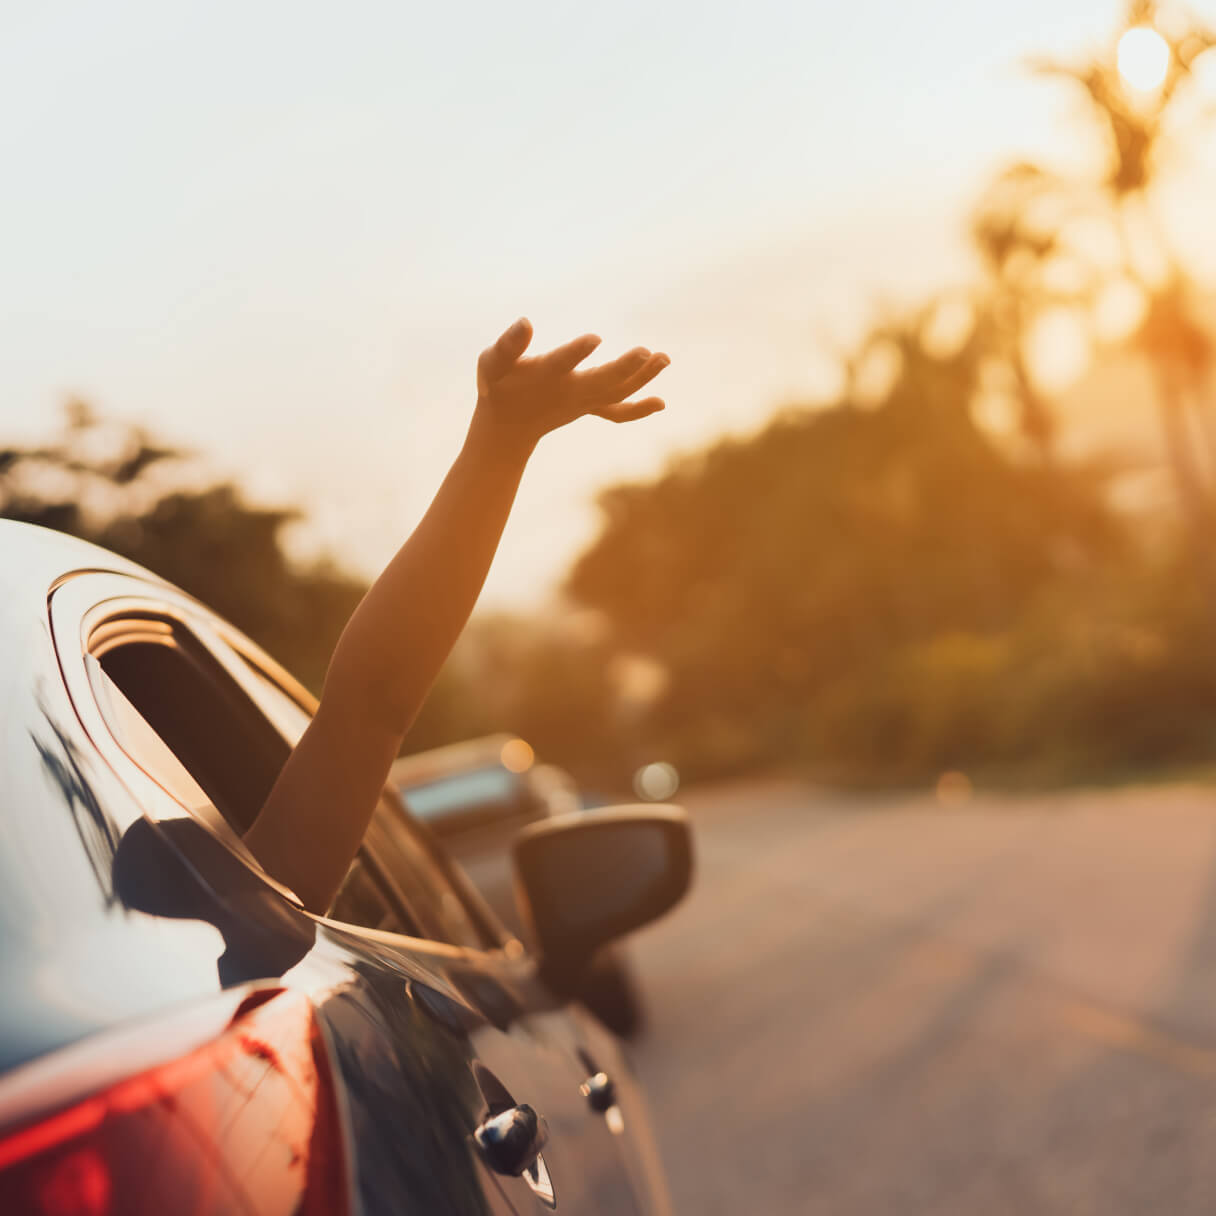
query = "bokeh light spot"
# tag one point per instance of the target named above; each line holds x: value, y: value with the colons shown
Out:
x: 656, y: 782
x: 1144, y: 58
x: 954, y: 789
x: 517, y: 756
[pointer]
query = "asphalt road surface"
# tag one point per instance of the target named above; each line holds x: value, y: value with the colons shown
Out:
x: 885, y: 1006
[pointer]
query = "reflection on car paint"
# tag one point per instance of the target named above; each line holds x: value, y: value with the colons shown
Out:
x: 409, y: 1093
x: 63, y: 763
x: 245, y: 1121
x: 177, y: 869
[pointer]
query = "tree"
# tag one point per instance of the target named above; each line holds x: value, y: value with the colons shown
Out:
x: 1029, y: 230
x: 118, y: 487
x: 765, y: 571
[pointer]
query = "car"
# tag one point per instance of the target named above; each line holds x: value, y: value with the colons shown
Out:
x: 492, y: 783
x: 477, y: 796
x: 178, y: 1033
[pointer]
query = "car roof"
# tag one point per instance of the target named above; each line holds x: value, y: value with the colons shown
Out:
x: 34, y: 558
x: 33, y: 561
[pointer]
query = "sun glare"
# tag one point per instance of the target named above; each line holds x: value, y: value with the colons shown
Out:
x: 1144, y: 58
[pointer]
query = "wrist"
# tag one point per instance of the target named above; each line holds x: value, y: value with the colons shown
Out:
x: 492, y: 437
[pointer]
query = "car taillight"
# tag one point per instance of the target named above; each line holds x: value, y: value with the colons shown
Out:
x: 246, y: 1123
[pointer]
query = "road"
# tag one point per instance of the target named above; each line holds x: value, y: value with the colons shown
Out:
x: 880, y: 1005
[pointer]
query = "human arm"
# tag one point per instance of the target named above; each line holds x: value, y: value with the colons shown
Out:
x: 399, y: 636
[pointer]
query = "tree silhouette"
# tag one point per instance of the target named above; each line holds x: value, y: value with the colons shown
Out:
x: 114, y: 485
x: 763, y: 572
x: 1026, y: 230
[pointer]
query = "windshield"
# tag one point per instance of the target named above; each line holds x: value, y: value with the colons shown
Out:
x: 483, y: 789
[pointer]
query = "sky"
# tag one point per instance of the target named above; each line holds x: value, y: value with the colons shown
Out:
x: 281, y: 233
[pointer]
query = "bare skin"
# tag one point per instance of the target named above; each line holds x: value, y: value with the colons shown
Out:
x: 398, y: 638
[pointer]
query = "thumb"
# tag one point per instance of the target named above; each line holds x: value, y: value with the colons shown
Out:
x: 498, y: 359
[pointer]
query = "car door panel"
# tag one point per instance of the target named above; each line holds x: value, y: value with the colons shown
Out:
x: 438, y: 999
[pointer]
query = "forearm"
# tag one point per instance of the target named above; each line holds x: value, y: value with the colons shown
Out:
x: 398, y: 638
x: 385, y: 662
x: 401, y: 633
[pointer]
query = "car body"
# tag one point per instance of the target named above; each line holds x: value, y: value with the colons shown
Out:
x: 477, y: 796
x: 177, y: 1033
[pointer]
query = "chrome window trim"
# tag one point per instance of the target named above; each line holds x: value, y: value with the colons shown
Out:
x: 77, y: 607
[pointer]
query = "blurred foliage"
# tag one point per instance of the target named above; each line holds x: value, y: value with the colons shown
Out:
x: 883, y: 592
x: 113, y: 485
x: 1063, y: 242
x: 555, y: 688
x: 878, y: 589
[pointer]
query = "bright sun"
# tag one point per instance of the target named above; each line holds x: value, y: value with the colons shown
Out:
x: 1144, y: 58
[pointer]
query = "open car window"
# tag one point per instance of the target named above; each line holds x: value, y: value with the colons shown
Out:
x: 167, y: 678
x: 171, y: 697
x: 392, y: 850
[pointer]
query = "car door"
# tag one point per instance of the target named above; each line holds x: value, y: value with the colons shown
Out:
x: 203, y: 715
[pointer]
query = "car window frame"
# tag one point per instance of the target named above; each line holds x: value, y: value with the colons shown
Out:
x: 77, y: 605
x: 80, y: 603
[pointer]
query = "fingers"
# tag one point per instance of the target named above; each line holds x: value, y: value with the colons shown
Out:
x: 643, y: 376
x: 611, y: 381
x: 498, y: 359
x: 621, y: 378
x: 566, y: 358
x: 630, y: 411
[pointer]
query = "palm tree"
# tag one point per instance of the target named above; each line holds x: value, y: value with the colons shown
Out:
x: 1022, y: 231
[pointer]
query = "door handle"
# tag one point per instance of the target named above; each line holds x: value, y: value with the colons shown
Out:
x: 510, y: 1142
x: 600, y: 1092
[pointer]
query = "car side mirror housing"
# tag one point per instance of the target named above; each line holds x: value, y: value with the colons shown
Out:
x: 585, y: 878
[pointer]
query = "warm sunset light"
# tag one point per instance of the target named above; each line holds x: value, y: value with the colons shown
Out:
x: 797, y: 422
x: 517, y: 755
x: 1144, y: 58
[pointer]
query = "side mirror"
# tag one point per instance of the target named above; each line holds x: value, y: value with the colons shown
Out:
x: 585, y: 878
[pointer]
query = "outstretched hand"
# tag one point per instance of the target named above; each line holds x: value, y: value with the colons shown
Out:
x: 528, y: 397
